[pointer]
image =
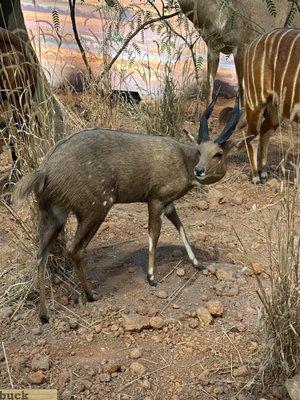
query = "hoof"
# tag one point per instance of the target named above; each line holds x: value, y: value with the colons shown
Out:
x: 90, y: 297
x: 263, y: 177
x: 44, y: 317
x: 151, y: 280
x: 198, y: 266
x: 256, y: 179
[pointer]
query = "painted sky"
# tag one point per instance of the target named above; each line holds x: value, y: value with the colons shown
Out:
x: 140, y: 68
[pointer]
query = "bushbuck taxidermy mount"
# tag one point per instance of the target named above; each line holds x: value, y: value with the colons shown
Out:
x: 272, y: 91
x: 228, y: 27
x: 90, y: 171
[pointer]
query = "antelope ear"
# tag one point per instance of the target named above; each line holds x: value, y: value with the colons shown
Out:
x: 237, y: 144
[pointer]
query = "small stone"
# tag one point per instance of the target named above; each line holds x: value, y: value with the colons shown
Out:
x: 225, y: 273
x: 73, y: 323
x: 37, y: 331
x: 135, y: 322
x: 137, y: 368
x: 226, y: 289
x: 237, y: 200
x: 293, y: 387
x: 104, y: 377
x: 136, y: 353
x: 146, y: 384
x: 89, y: 337
x: 256, y: 268
x: 156, y: 323
x: 40, y: 362
x: 194, y: 323
x: 215, y: 308
x: 131, y: 270
x: 204, y: 315
x: 114, y: 328
x: 36, y: 378
x: 67, y: 394
x: 214, y: 198
x: 180, y: 272
x: 161, y: 294
x: 202, y: 205
x: 6, y: 312
x: 240, y: 371
x: 111, y: 367
x: 212, y: 269
x: 175, y: 306
x: 98, y: 328
x: 64, y: 301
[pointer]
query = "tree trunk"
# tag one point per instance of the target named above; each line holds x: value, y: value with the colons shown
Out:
x: 12, y: 19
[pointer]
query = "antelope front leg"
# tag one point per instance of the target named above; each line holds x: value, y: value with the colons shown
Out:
x: 213, y: 59
x: 155, y: 210
x: 171, y: 214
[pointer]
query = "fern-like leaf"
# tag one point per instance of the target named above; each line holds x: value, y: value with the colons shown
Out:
x: 56, y: 20
x: 291, y: 16
x: 271, y: 7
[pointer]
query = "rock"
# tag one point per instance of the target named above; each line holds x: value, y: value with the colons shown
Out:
x: 161, y: 294
x: 237, y: 200
x: 293, y: 387
x: 104, y: 377
x: 64, y: 301
x: 40, y: 362
x: 6, y: 312
x: 202, y: 205
x: 36, y: 378
x: 111, y: 367
x: 73, y: 323
x: 63, y: 326
x: 114, y: 328
x: 194, y: 323
x: 146, y: 384
x: 37, y: 331
x: 280, y: 392
x: 215, y: 308
x: 156, y: 323
x: 240, y: 371
x: 273, y: 184
x: 226, y: 289
x: 225, y: 273
x: 67, y: 394
x: 137, y: 368
x: 20, y: 363
x: 214, y: 198
x: 204, y: 315
x: 212, y: 269
x: 256, y: 268
x: 135, y: 322
x: 180, y: 272
x: 89, y: 337
x: 131, y: 270
x: 136, y: 353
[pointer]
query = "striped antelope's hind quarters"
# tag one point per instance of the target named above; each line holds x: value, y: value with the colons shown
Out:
x: 272, y: 91
x: 101, y: 167
x: 229, y: 28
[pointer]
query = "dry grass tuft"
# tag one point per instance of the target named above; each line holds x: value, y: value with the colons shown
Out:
x: 280, y: 322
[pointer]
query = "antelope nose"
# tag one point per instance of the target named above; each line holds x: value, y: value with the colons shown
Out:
x: 199, y: 171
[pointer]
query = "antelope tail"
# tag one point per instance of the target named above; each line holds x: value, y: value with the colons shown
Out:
x: 33, y: 182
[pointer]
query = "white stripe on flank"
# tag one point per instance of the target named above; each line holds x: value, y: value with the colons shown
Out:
x: 262, y: 69
x: 252, y: 69
x: 288, y: 63
x: 296, y: 80
x: 276, y: 57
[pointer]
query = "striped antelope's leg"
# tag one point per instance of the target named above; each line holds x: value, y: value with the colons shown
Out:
x: 268, y: 127
x: 155, y: 211
x: 253, y: 119
x: 171, y: 214
x: 213, y: 59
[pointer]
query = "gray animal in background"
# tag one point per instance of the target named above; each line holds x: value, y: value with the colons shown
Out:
x: 90, y: 171
x: 228, y: 29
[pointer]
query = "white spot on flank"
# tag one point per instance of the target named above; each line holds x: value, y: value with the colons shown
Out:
x: 104, y: 203
x: 104, y: 191
x: 111, y: 199
x: 103, y: 180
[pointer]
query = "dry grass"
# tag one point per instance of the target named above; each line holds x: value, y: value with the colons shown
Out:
x: 280, y: 322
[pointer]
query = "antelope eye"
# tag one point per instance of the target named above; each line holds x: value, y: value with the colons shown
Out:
x: 219, y: 154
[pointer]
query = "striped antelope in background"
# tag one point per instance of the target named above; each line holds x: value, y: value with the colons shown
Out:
x: 272, y: 91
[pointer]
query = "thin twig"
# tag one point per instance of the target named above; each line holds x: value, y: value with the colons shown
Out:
x: 171, y: 272
x: 7, y: 366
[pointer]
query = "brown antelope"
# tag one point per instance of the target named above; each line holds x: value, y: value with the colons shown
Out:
x: 229, y: 29
x: 272, y: 91
x: 89, y: 171
x: 18, y: 75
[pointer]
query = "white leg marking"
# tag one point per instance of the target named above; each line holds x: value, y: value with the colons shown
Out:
x: 188, y: 247
x: 150, y: 267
